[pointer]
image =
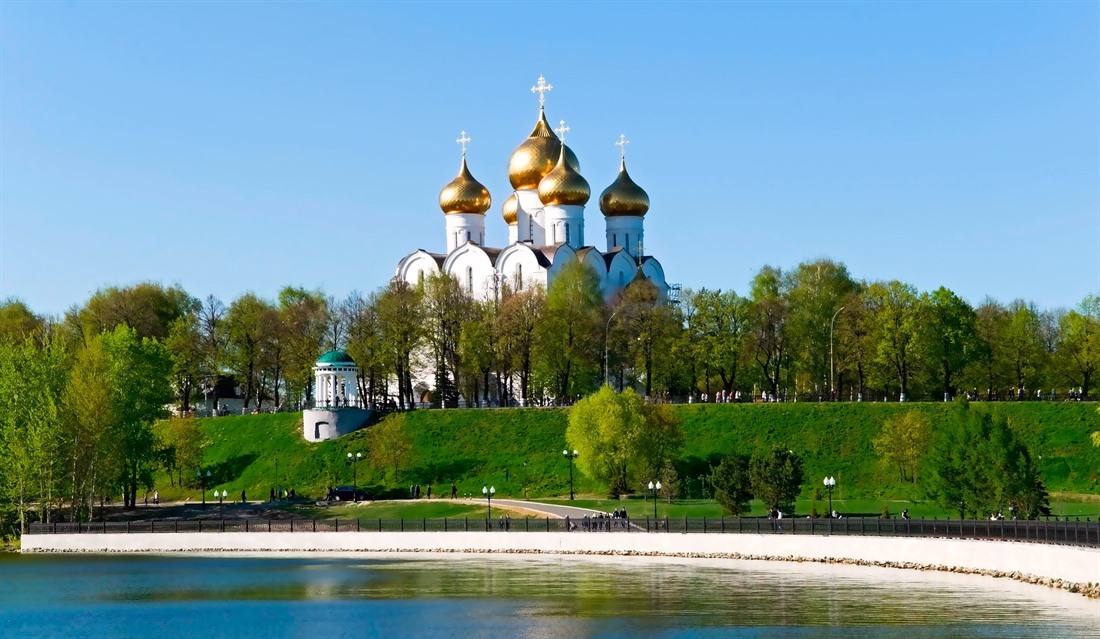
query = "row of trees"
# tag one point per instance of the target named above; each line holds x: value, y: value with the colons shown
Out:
x: 812, y: 332
x: 77, y: 425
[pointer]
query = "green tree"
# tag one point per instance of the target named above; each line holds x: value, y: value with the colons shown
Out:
x: 187, y: 443
x: 303, y: 316
x: 649, y: 328
x: 390, y: 444
x: 815, y: 290
x: 251, y: 323
x: 185, y: 347
x: 951, y: 335
x: 366, y: 344
x: 401, y: 323
x: 899, y: 312
x: 770, y: 313
x: 777, y: 478
x: 732, y: 483
x: 720, y: 329
x: 137, y: 377
x: 903, y: 442
x: 570, y: 335
x: 446, y: 309
x: 147, y: 307
x: 1078, y: 352
x: 17, y: 322
x: 1023, y: 345
x: 89, y: 445
x: 521, y: 313
x: 605, y: 429
x: 661, y: 438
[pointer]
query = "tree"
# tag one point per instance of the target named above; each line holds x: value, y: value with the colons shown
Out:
x: 1078, y: 353
x: 951, y: 336
x: 251, y: 323
x: 17, y: 322
x: 367, y: 346
x: 777, y: 478
x: 720, y: 327
x: 815, y: 290
x: 185, y: 347
x: 660, y: 439
x: 978, y: 466
x: 899, y: 312
x: 903, y: 442
x: 1023, y: 345
x: 187, y: 443
x: 446, y: 308
x: 137, y: 378
x: 148, y: 308
x: 390, y: 444
x: 88, y: 444
x: 303, y: 316
x: 569, y: 337
x: 521, y: 314
x: 605, y: 429
x: 732, y: 484
x: 649, y: 328
x: 400, y: 321
x: 770, y: 312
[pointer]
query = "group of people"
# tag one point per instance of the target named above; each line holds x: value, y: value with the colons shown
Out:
x: 723, y: 396
x: 282, y: 494
x: 414, y: 491
x: 615, y: 520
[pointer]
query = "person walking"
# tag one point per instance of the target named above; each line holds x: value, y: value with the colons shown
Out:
x: 156, y: 497
x: 454, y: 490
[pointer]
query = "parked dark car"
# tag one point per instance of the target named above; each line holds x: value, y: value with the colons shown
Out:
x: 350, y: 493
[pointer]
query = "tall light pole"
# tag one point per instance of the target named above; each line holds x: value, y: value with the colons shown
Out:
x: 832, y: 386
x: 570, y: 457
x: 830, y: 483
x: 202, y: 482
x: 655, y: 488
x: 606, y: 340
x: 354, y: 461
x: 489, y: 492
x: 221, y: 500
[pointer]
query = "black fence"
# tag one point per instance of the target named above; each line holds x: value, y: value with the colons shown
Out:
x: 1063, y: 531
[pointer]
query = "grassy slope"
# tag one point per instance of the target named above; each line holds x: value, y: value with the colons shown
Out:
x: 489, y: 447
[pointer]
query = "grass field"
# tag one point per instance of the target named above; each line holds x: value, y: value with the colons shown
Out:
x: 518, y: 451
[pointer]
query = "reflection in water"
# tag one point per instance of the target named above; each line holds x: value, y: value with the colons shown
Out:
x: 478, y: 596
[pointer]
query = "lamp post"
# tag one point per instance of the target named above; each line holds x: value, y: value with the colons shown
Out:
x: 221, y: 501
x: 570, y: 457
x: 830, y: 483
x: 606, y: 338
x: 832, y: 386
x: 655, y: 487
x: 202, y: 482
x: 354, y: 461
x: 489, y: 492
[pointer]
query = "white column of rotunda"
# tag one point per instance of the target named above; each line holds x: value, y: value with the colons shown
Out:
x: 464, y: 202
x: 624, y: 205
x: 335, y: 380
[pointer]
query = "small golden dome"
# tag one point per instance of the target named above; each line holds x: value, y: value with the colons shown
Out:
x: 536, y: 156
x: 564, y: 185
x: 510, y: 208
x: 624, y: 197
x: 464, y: 194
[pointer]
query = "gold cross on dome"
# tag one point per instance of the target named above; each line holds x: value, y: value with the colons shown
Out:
x: 622, y: 145
x: 542, y: 88
x: 463, y: 139
x: 562, y: 130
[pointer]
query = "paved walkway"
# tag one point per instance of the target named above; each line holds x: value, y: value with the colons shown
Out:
x: 554, y: 511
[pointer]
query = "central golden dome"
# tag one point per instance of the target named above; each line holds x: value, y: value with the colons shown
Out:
x: 464, y: 194
x: 563, y: 185
x: 624, y: 197
x: 535, y: 157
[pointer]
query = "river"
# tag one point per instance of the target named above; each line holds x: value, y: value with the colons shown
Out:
x: 356, y: 595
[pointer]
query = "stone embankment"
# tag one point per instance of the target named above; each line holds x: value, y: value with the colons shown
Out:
x: 1071, y: 568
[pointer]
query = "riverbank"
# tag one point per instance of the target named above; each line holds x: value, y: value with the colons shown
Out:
x: 1066, y: 567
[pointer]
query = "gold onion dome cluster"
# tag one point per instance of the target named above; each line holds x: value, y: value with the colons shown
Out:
x: 510, y: 209
x: 464, y: 194
x: 563, y: 185
x: 624, y: 197
x: 536, y: 156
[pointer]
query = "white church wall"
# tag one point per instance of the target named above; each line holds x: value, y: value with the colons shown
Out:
x: 620, y: 273
x: 625, y: 231
x: 470, y: 265
x: 565, y: 224
x: 463, y: 228
x: 416, y: 267
x: 520, y: 267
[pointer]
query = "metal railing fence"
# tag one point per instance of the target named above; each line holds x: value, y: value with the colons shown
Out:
x: 1064, y: 531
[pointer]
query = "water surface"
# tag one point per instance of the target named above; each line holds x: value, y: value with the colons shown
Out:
x: 333, y: 596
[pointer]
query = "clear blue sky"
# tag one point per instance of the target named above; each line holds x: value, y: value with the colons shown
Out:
x: 246, y: 146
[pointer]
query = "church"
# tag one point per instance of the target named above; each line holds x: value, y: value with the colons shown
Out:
x: 546, y: 225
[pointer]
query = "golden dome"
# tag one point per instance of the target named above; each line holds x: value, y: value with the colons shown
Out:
x: 536, y: 156
x: 624, y: 197
x: 464, y: 194
x: 510, y: 208
x: 563, y: 185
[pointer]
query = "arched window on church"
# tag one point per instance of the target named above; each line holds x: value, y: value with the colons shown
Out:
x: 566, y: 232
x: 469, y: 279
x: 614, y: 240
x: 467, y: 236
x: 626, y: 244
x: 519, y: 277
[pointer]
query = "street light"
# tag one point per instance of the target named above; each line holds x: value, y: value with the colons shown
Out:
x: 489, y: 492
x: 830, y: 483
x: 570, y: 457
x: 832, y: 386
x: 655, y: 488
x: 355, y: 474
x: 221, y: 500
x: 202, y: 482
x: 606, y: 336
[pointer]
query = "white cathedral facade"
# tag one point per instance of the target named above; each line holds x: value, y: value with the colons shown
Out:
x: 546, y: 224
